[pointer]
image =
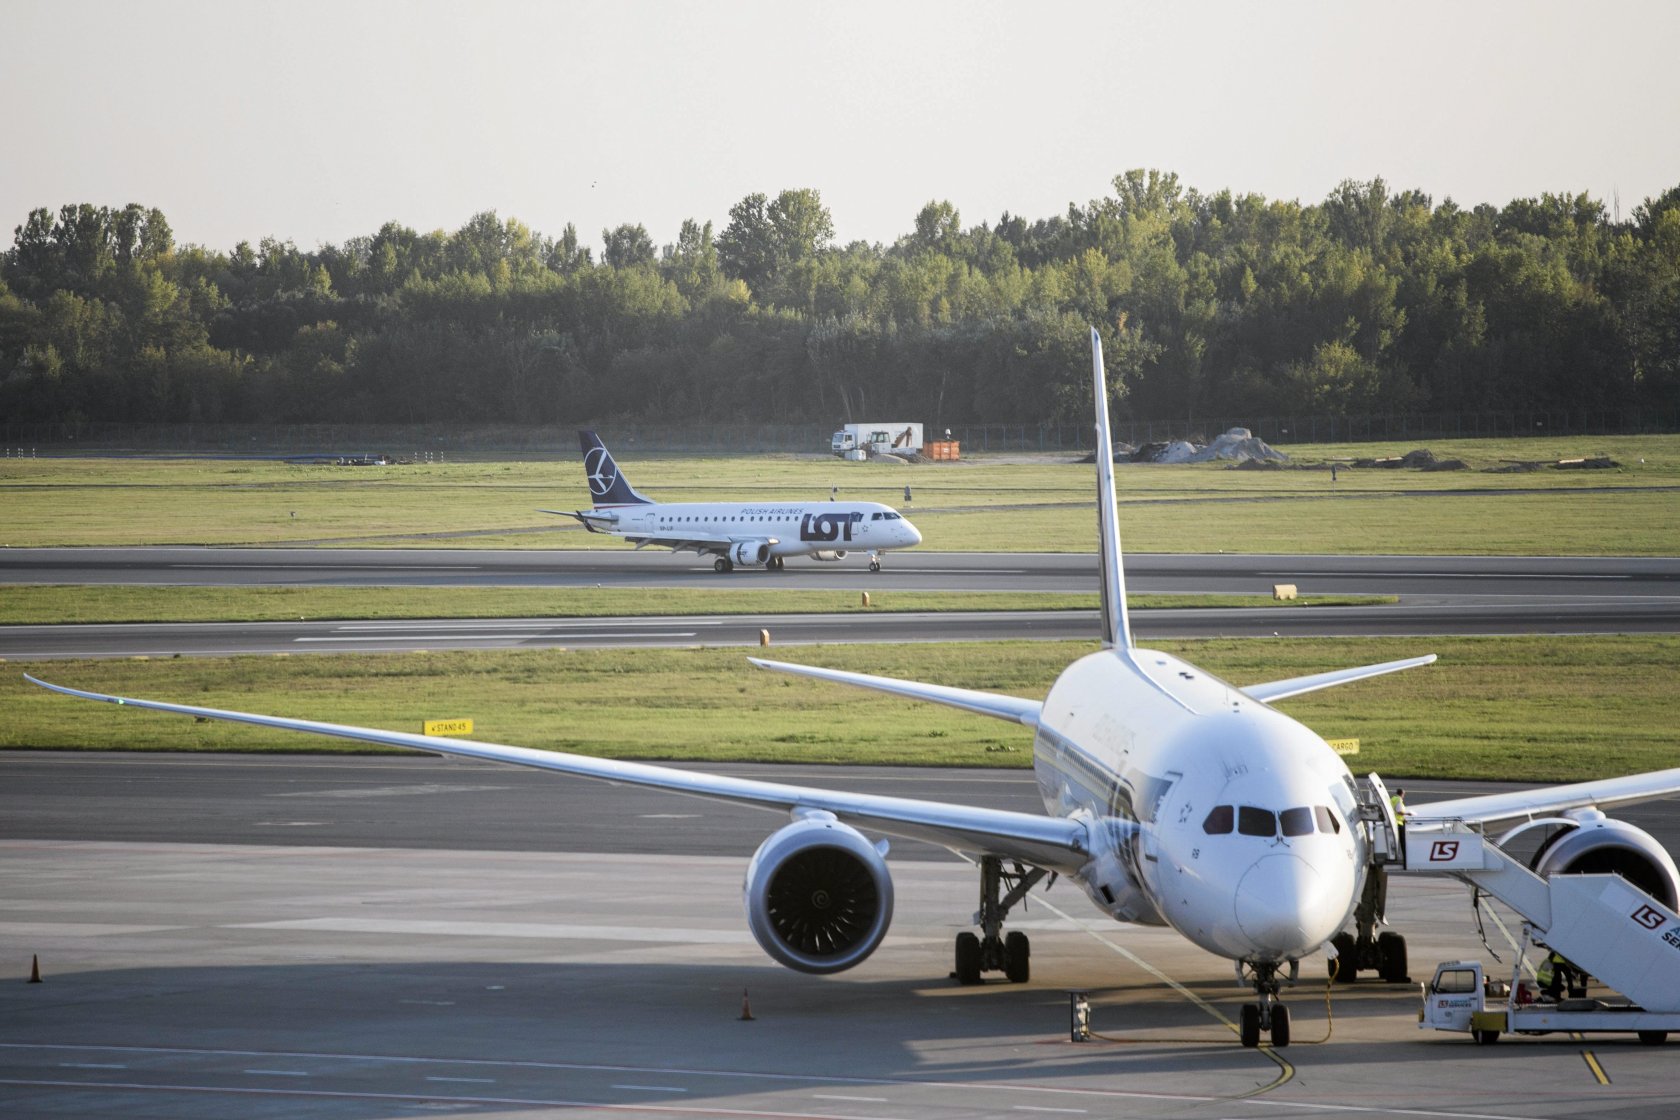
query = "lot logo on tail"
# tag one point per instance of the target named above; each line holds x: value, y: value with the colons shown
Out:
x: 602, y: 472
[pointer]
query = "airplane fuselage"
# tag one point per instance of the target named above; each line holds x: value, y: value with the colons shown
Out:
x: 826, y: 530
x: 1211, y: 812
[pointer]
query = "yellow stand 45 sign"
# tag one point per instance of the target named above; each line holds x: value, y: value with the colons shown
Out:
x: 446, y: 727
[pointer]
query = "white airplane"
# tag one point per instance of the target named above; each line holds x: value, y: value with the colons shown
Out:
x: 747, y: 533
x: 1171, y: 798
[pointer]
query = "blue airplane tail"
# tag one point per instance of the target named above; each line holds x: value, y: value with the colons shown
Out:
x: 607, y: 484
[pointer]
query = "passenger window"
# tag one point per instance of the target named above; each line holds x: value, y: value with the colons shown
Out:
x: 1327, y: 821
x: 1256, y: 822
x: 1219, y: 821
x: 1296, y: 822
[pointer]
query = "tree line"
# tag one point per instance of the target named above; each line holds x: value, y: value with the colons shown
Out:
x: 1209, y: 304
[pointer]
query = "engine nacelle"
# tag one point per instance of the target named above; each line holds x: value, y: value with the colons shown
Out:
x: 829, y: 554
x: 818, y: 895
x: 1598, y: 844
x: 750, y: 553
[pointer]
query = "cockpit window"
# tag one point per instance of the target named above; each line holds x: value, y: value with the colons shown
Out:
x: 1220, y: 821
x: 1327, y: 821
x: 1296, y: 822
x: 1252, y: 821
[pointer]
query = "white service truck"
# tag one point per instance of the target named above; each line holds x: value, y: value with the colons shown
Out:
x: 859, y: 441
x: 1462, y: 998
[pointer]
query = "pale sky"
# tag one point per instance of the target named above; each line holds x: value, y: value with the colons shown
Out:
x: 319, y: 121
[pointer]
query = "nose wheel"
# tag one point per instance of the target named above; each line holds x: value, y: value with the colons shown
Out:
x: 990, y: 950
x: 1268, y: 1017
x: 874, y: 561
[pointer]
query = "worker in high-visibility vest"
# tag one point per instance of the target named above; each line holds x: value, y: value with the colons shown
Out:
x: 1397, y: 802
x: 1550, y: 974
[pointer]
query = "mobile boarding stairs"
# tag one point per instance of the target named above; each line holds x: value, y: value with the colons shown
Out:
x: 1604, y: 924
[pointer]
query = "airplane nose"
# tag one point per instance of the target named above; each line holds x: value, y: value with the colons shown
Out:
x: 915, y: 534
x: 1283, y: 906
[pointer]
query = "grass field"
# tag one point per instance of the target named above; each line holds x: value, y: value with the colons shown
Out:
x: 85, y: 603
x: 1524, y: 708
x: 1033, y: 502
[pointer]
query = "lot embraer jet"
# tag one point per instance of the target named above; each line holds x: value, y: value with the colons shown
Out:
x: 747, y: 533
x: 1171, y: 798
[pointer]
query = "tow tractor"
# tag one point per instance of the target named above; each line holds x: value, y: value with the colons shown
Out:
x: 1461, y: 997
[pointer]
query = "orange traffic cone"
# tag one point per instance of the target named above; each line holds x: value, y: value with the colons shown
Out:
x: 746, y: 1008
x: 35, y: 968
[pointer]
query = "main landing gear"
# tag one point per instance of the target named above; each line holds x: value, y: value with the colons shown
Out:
x: 1268, y: 1016
x: 1365, y: 948
x: 990, y: 952
x: 723, y: 564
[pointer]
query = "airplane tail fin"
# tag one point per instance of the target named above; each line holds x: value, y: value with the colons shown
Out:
x: 1117, y: 626
x: 607, y: 484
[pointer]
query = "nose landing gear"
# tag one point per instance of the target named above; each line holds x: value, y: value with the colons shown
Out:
x: 990, y: 951
x: 874, y: 560
x: 1267, y: 1016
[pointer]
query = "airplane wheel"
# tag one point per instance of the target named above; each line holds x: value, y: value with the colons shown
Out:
x: 721, y: 564
x: 1391, y: 958
x: 1250, y: 1023
x: 968, y: 958
x: 1280, y: 1025
x: 1017, y: 957
x: 1347, y: 961
x: 874, y: 565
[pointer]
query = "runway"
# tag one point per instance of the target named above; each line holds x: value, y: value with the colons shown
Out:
x: 913, y: 570
x: 343, y: 972
x: 1439, y: 595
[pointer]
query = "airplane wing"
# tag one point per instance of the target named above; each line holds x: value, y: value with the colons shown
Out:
x: 1295, y: 686
x: 993, y: 704
x: 1548, y: 801
x: 1054, y: 843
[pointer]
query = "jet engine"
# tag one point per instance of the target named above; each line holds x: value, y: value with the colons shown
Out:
x: 830, y: 554
x: 1596, y: 844
x: 818, y: 895
x: 750, y: 552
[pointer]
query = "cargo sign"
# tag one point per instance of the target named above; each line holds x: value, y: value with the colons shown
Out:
x: 446, y: 727
x: 1344, y: 746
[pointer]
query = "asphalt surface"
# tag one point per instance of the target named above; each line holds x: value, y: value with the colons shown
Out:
x: 912, y: 570
x: 1439, y: 595
x: 431, y: 802
x: 384, y: 937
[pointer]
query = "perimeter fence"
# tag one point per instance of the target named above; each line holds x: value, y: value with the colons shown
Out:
x: 431, y: 441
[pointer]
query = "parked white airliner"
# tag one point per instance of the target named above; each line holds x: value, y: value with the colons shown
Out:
x: 1170, y: 796
x: 747, y: 533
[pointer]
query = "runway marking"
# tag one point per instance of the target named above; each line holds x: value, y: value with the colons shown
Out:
x: 548, y: 931
x: 668, y: 817
x: 651, y: 1088
x: 1285, y: 1069
x: 844, y: 1097
x: 388, y: 791
x: 428, y: 637
x: 276, y: 1072
x: 1597, y: 1070
x: 92, y: 1065
x: 520, y: 624
x: 1036, y: 1108
x: 826, y: 1079
x: 466, y: 1080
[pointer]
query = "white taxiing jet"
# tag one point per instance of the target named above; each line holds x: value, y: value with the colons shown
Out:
x: 753, y: 534
x: 1171, y: 798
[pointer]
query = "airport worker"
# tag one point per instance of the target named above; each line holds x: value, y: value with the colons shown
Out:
x: 907, y: 495
x: 1550, y: 974
x: 1397, y: 800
